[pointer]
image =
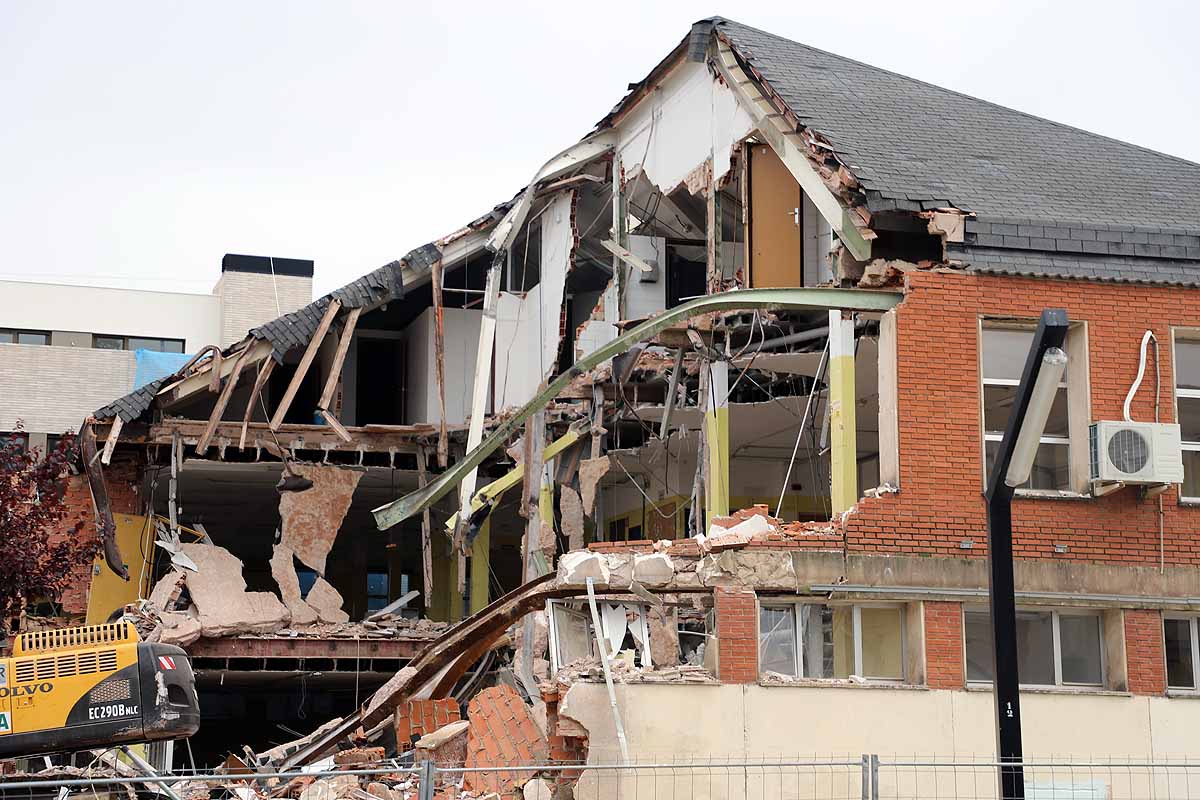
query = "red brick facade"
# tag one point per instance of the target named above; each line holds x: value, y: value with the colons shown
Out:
x: 944, y: 662
x: 121, y: 479
x: 940, y: 503
x: 737, y: 635
x: 1144, y: 656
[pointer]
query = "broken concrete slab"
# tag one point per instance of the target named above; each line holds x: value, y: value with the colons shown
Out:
x: 179, y: 628
x: 166, y: 592
x: 538, y: 789
x: 310, y: 520
x: 223, y: 605
x: 326, y: 601
x: 654, y: 569
x: 572, y: 517
x: 446, y: 747
x: 591, y: 470
x: 283, y: 570
x: 664, y: 637
x: 575, y: 568
x: 762, y: 569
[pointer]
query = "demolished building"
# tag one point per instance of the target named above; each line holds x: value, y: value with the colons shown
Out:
x: 771, y: 279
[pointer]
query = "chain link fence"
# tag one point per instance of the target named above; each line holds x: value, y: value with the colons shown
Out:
x: 861, y: 777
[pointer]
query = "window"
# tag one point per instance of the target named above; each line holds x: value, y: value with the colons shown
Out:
x: 816, y: 640
x: 377, y: 590
x: 1054, y: 648
x: 1182, y: 650
x: 108, y: 342
x: 17, y: 336
x: 1187, y: 413
x: 623, y: 627
x: 14, y: 438
x: 1004, y: 352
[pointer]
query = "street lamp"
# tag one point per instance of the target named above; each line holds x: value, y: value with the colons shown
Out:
x: 1043, y: 373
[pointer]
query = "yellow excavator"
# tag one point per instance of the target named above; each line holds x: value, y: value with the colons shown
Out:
x: 93, y: 686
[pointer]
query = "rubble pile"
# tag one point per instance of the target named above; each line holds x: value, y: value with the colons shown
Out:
x: 590, y: 669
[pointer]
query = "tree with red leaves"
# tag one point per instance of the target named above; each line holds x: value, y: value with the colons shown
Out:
x: 40, y: 539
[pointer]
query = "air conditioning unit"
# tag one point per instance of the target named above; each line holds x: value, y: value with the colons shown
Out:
x: 1135, y: 452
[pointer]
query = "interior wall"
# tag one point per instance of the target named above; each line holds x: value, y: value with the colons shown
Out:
x: 460, y: 333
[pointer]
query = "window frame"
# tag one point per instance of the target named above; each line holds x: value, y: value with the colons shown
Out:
x: 569, y: 605
x: 1056, y: 646
x: 1076, y: 380
x: 125, y: 342
x: 1194, y: 626
x: 856, y: 634
x: 16, y: 335
x: 1191, y: 336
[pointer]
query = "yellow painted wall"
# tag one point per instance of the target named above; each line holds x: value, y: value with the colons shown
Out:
x: 108, y: 592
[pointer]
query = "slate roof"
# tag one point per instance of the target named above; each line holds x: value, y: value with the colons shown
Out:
x: 1050, y: 200
x: 914, y: 145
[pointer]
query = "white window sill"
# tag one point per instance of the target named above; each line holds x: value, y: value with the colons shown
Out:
x: 1186, y: 694
x: 1194, y: 502
x: 836, y: 683
x: 1089, y: 691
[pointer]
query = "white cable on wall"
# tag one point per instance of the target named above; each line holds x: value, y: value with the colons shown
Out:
x: 1147, y: 337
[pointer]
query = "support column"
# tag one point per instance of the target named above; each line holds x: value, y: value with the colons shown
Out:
x: 481, y: 561
x: 843, y: 445
x: 716, y: 441
x: 712, y: 227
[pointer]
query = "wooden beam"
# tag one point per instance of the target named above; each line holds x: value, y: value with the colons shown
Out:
x: 339, y: 357
x: 264, y: 372
x: 110, y: 443
x: 222, y: 402
x: 202, y: 379
x: 310, y: 353
x: 338, y: 427
x: 439, y: 358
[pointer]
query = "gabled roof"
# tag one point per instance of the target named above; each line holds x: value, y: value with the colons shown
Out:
x: 915, y: 146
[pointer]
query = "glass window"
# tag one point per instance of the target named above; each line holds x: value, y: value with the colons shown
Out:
x: 1053, y: 648
x: 1187, y: 412
x: 108, y: 342
x: 835, y: 641
x: 1004, y: 352
x: 14, y: 336
x: 777, y: 640
x: 1179, y: 637
x: 377, y: 590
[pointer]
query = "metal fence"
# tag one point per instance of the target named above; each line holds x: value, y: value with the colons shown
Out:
x: 862, y: 777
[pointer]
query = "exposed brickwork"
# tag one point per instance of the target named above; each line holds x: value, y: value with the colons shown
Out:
x: 502, y: 733
x: 737, y: 635
x: 122, y: 478
x: 943, y: 645
x: 563, y: 749
x: 1144, y: 657
x: 419, y: 717
x: 941, y: 502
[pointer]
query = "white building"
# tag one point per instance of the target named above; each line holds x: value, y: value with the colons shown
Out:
x: 67, y: 350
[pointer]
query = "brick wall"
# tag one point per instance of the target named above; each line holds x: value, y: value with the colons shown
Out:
x: 122, y: 478
x: 944, y: 663
x: 1144, y: 657
x: 248, y: 300
x: 737, y: 635
x: 941, y: 502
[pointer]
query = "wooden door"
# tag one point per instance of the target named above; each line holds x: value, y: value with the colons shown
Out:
x: 775, y: 256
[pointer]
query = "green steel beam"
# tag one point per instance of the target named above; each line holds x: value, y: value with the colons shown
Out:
x: 747, y: 299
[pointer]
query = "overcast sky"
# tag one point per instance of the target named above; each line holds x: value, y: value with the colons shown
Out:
x: 140, y: 141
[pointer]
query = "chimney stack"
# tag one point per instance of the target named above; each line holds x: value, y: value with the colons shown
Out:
x: 257, y: 289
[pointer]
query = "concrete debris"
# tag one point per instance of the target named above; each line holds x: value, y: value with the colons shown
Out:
x: 664, y: 637
x: 180, y: 628
x: 223, y: 605
x: 589, y: 670
x: 446, y: 747
x: 572, y: 517
x: 167, y: 591
x: 326, y: 601
x: 575, y: 568
x: 358, y: 756
x: 310, y: 520
x: 591, y: 470
x: 283, y: 570
x: 655, y: 569
x: 538, y: 789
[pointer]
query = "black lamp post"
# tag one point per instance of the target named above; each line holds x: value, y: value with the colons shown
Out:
x: 1043, y: 373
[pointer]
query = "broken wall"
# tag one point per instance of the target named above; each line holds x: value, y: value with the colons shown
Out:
x: 529, y: 326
